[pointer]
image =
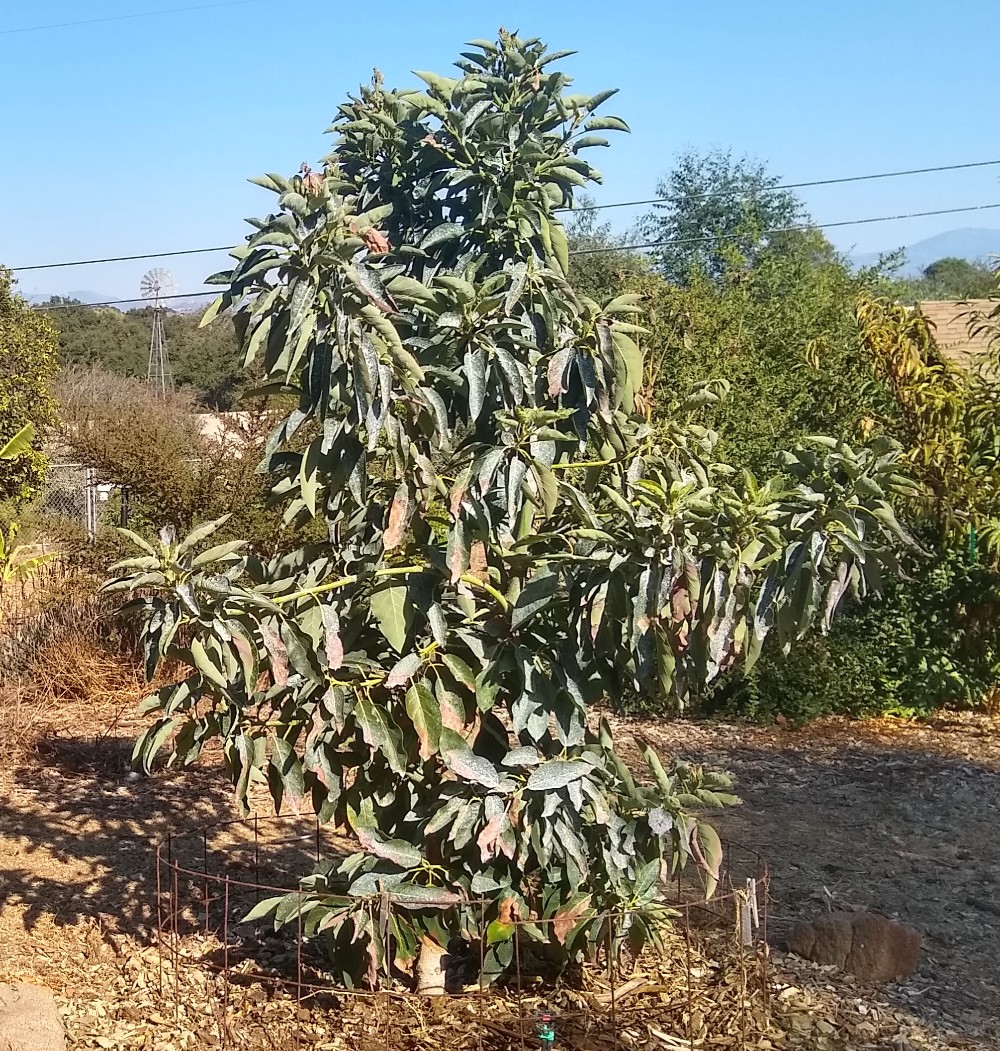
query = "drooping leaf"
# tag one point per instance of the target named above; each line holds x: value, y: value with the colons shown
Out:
x: 392, y: 607
x: 425, y: 714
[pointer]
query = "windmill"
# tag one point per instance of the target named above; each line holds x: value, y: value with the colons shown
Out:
x: 156, y: 287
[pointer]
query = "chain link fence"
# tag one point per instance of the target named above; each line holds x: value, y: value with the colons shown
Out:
x: 74, y: 495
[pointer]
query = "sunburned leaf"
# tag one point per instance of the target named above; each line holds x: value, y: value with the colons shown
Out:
x: 276, y: 651
x: 399, y: 518
x: 367, y: 280
x: 425, y: 714
x: 334, y: 645
x: 404, y: 671
x: 461, y: 760
x: 569, y: 916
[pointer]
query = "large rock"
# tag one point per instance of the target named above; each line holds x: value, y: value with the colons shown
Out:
x: 874, y: 948
x: 29, y: 1019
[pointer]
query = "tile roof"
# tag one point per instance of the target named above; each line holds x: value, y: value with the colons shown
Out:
x: 951, y: 328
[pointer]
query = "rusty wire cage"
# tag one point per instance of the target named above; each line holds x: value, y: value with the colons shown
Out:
x: 254, y: 986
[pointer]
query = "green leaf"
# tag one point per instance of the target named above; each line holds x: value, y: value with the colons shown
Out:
x: 288, y: 769
x: 19, y: 444
x: 392, y: 607
x: 461, y: 760
x: 708, y: 855
x: 398, y: 851
x: 221, y: 551
x: 442, y: 234
x: 599, y: 99
x: 425, y: 714
x: 628, y: 370
x: 557, y: 773
x: 460, y: 670
x: 138, y: 542
x: 381, y: 733
x: 203, y: 532
x: 263, y: 909
x: 442, y: 86
x: 411, y: 896
x: 560, y: 245
x: 606, y: 124
x: 534, y: 597
x: 206, y: 665
x: 475, y: 374
x: 499, y: 932
x: 548, y: 487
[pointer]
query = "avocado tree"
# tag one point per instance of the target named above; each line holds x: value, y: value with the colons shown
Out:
x: 509, y: 542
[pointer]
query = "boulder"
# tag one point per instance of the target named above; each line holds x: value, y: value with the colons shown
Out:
x: 29, y: 1019
x: 872, y: 947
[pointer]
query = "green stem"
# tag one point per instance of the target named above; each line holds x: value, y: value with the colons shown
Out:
x: 475, y: 582
x: 393, y: 571
x: 580, y: 463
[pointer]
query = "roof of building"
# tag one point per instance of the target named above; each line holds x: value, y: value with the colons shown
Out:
x: 950, y: 318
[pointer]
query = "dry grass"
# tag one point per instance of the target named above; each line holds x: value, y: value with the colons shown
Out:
x: 66, y: 664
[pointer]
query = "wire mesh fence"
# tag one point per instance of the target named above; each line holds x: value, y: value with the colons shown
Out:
x: 74, y: 495
x: 705, y: 985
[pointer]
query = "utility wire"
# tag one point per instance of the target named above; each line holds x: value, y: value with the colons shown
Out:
x: 789, y: 229
x: 122, y: 258
x: 119, y: 302
x: 583, y: 251
x: 134, y: 14
x: 788, y: 186
x: 585, y: 208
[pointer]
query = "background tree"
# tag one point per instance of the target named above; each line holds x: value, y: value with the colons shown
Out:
x: 715, y: 205
x: 509, y: 540
x: 599, y: 266
x: 205, y: 360
x: 947, y: 279
x: 27, y: 363
x: 156, y: 450
x: 763, y: 333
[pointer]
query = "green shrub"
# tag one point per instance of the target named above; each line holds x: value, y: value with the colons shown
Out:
x: 928, y: 642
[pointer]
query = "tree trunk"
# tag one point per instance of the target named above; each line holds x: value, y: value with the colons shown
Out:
x: 430, y: 968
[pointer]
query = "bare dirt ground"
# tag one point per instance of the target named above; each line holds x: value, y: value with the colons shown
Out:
x: 899, y: 818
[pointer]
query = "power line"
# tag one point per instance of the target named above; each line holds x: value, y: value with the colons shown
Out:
x: 582, y: 251
x: 122, y: 18
x: 790, y: 229
x: 120, y: 302
x: 789, y: 186
x: 586, y: 208
x: 121, y: 258
x: 585, y: 251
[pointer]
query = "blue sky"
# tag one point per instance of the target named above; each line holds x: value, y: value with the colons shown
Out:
x: 138, y: 135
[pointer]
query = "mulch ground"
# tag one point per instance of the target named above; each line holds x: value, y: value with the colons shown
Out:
x: 894, y: 817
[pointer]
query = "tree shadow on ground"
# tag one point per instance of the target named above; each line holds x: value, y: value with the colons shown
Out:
x: 79, y: 835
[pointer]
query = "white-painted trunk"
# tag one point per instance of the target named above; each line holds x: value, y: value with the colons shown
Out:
x: 430, y: 968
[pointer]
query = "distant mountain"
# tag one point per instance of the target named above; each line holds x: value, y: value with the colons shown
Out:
x: 971, y: 243
x: 83, y: 297
x: 187, y: 305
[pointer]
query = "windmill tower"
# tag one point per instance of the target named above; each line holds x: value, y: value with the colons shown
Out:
x: 156, y: 287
